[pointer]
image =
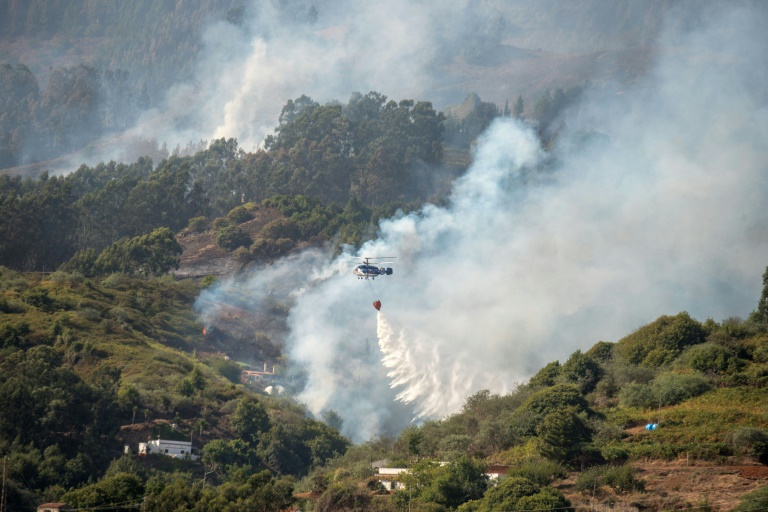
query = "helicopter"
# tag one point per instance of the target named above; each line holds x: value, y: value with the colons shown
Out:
x: 366, y: 270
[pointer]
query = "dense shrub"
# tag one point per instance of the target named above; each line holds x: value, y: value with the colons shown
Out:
x: 239, y: 214
x: 621, y: 479
x: 661, y: 341
x: 673, y: 388
x: 754, y: 502
x: 281, y: 228
x: 232, y: 237
x: 614, y: 454
x: 219, y: 223
x: 750, y: 441
x: 516, y: 493
x: 540, y: 472
x: 227, y: 368
x: 589, y: 480
x: 636, y: 395
x: 666, y: 389
x: 547, y: 376
x: 197, y: 224
x: 711, y: 358
x: 601, y: 351
x: 582, y: 370
x: 544, y: 402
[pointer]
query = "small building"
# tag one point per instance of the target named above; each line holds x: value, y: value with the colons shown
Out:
x: 175, y: 449
x: 390, y: 478
x: 52, y: 507
x: 253, y: 376
x: 495, y: 472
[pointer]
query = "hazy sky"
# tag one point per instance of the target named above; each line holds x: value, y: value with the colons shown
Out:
x: 651, y: 203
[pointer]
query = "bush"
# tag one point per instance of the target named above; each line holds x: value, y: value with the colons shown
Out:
x: 343, y: 497
x: 619, y: 478
x: 208, y: 281
x: 622, y: 479
x: 540, y: 472
x: 281, y: 228
x: 661, y: 341
x: 39, y: 298
x: 220, y: 223
x: 754, y: 502
x: 542, y: 403
x: 547, y: 375
x: 673, y: 388
x: 636, y: 395
x: 226, y: 368
x: 711, y: 358
x: 601, y: 351
x: 232, y: 237
x: 614, y: 454
x: 242, y: 255
x: 760, y: 353
x: 590, y: 480
x: 11, y: 306
x: 197, y: 224
x: 517, y: 493
x: 582, y: 370
x: 750, y: 441
x: 239, y: 214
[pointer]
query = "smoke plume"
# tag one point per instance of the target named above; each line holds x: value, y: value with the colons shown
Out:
x: 649, y: 202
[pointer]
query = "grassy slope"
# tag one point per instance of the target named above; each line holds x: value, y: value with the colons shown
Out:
x: 146, y: 329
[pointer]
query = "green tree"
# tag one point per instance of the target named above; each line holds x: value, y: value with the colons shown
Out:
x: 249, y: 420
x: 120, y: 489
x: 582, y: 370
x: 517, y: 493
x: 561, y: 433
x: 661, y: 341
x: 547, y: 376
x: 762, y: 304
x: 152, y: 254
x: 239, y: 214
x: 463, y: 480
x: 547, y: 401
x: 340, y: 496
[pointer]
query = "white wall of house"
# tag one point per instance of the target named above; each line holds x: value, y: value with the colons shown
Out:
x: 175, y: 449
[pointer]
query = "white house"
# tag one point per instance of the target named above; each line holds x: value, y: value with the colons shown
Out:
x: 175, y: 449
x: 390, y: 477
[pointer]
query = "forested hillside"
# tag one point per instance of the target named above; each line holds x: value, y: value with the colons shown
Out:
x: 155, y: 43
x: 77, y: 73
x: 87, y: 366
x: 582, y: 260
x: 587, y: 432
x: 107, y: 63
x: 370, y: 153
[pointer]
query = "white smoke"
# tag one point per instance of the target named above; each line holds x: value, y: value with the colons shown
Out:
x: 539, y: 253
x: 247, y: 73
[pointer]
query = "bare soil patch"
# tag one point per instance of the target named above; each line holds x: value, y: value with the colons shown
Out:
x: 673, y: 485
x: 202, y: 257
